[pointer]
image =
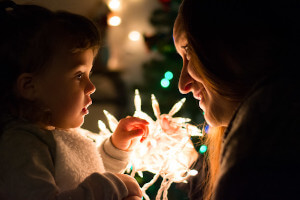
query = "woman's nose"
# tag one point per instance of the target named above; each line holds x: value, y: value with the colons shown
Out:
x: 185, y: 81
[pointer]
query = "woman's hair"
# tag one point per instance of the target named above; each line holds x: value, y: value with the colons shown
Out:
x: 238, y: 42
x: 233, y: 44
x: 30, y: 37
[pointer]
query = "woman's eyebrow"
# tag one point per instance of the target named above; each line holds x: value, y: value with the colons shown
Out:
x: 184, y: 47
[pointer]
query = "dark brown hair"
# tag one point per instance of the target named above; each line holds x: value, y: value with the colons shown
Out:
x: 30, y: 37
x: 233, y: 45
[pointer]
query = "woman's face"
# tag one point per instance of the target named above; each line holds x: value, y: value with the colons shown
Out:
x: 218, y: 110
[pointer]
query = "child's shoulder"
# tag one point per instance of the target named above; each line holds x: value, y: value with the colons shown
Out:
x: 19, y: 132
x: 26, y: 151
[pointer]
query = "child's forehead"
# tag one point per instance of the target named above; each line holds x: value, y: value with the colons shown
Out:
x: 69, y: 60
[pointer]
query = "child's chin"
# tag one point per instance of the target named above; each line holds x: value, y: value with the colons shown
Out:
x: 73, y: 124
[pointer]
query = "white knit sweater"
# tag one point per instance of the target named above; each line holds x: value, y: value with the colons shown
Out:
x: 37, y: 164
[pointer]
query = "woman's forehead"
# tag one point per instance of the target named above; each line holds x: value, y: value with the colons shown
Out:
x: 179, y: 34
x: 180, y: 38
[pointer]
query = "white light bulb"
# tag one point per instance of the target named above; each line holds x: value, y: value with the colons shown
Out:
x: 114, y: 21
x: 114, y: 5
x: 134, y: 35
x: 193, y: 172
x: 165, y: 151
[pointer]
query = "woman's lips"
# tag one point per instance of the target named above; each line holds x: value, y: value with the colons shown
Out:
x: 201, y: 104
x: 199, y: 96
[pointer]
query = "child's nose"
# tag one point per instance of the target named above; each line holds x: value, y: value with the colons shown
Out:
x: 90, y: 89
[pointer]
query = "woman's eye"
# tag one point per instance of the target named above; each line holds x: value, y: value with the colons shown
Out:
x: 188, y: 56
x: 187, y: 52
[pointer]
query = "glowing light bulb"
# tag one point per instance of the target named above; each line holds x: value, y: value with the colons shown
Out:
x: 134, y: 35
x: 193, y: 172
x: 101, y: 125
x: 137, y: 101
x: 203, y: 149
x: 114, y: 21
x: 177, y: 107
x: 155, y: 106
x: 168, y: 75
x: 164, y: 83
x: 165, y: 152
x: 114, y: 5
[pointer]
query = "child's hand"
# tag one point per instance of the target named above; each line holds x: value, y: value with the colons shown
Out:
x: 129, y: 132
x: 132, y: 185
x: 133, y: 198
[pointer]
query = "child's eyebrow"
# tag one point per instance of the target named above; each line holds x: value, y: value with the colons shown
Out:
x: 80, y: 65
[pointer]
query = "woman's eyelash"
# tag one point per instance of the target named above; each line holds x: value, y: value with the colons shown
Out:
x: 187, y: 51
x: 186, y: 47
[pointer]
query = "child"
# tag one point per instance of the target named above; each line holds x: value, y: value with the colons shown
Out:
x: 45, y: 61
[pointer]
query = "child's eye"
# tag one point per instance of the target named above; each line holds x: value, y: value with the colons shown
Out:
x: 79, y: 75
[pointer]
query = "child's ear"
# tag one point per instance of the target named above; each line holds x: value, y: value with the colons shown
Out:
x: 25, y: 86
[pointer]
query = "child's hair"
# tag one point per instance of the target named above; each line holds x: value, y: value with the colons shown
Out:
x: 30, y: 37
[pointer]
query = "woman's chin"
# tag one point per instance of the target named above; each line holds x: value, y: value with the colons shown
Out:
x: 203, y: 107
x: 211, y: 121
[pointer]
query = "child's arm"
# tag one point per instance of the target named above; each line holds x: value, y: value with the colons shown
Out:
x: 133, y: 198
x: 115, y: 158
x: 28, y: 169
x: 129, y: 132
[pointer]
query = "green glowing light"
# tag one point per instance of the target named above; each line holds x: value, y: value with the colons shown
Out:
x: 164, y: 83
x: 203, y: 149
x: 168, y: 75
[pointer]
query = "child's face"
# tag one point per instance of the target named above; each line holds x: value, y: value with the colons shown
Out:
x: 65, y: 88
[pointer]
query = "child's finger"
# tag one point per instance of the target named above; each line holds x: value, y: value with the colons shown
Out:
x: 132, y: 121
x: 136, y: 133
x: 146, y: 133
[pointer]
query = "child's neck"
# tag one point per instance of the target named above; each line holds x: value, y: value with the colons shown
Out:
x: 46, y: 126
x: 50, y: 128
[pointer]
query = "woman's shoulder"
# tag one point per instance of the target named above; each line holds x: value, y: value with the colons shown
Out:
x: 272, y: 102
x: 257, y: 128
x: 262, y: 140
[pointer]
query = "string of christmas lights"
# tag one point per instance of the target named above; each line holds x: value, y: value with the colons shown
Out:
x: 166, y: 150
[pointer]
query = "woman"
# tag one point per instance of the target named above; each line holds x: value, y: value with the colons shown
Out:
x: 240, y: 60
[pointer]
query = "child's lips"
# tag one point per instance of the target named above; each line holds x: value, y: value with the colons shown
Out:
x: 85, y: 109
